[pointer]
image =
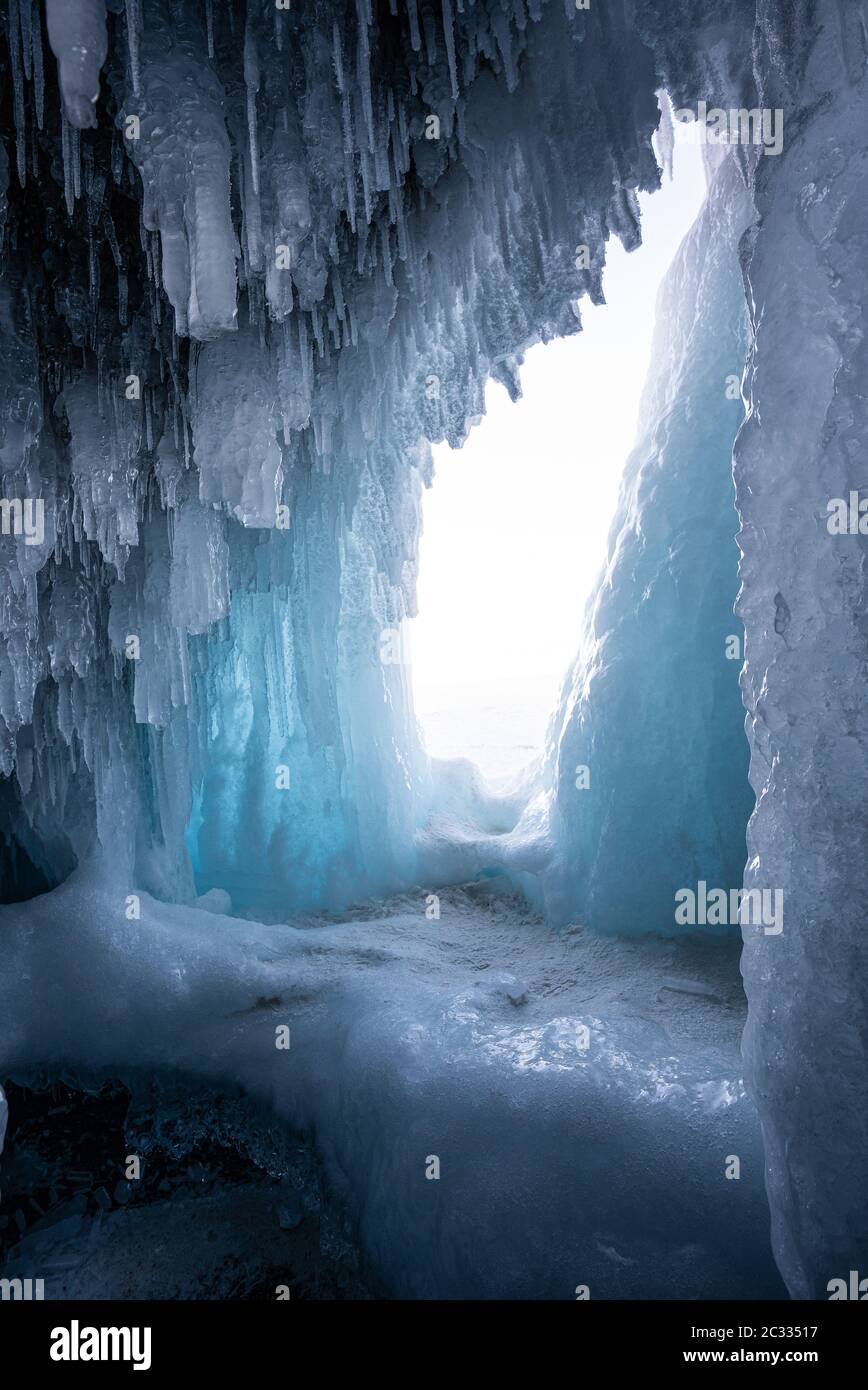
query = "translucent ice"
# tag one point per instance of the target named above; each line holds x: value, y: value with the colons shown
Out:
x: 647, y: 751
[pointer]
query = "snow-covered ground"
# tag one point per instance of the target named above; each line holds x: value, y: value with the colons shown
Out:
x: 581, y: 1096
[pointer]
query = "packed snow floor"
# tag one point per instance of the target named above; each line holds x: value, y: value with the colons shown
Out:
x: 579, y: 1097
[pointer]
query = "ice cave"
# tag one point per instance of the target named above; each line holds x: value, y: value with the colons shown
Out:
x: 290, y: 1007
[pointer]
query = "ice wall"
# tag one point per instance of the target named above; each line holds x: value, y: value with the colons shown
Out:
x: 803, y: 602
x: 647, y: 755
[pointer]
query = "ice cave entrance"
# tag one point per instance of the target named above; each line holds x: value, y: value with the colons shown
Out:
x: 516, y: 523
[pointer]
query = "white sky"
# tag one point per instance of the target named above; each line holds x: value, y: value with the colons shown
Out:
x: 515, y: 525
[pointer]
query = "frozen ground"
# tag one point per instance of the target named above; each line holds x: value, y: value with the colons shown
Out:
x: 582, y: 1095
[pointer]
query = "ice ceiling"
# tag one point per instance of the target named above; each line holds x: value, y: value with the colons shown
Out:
x: 254, y: 259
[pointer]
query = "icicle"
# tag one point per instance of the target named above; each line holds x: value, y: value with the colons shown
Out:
x: 88, y: 182
x: 449, y: 34
x: 304, y: 350
x: 317, y: 328
x: 123, y: 298
x: 430, y: 37
x: 251, y: 78
x: 338, y: 57
x: 415, y: 36
x: 366, y: 185
x: 157, y: 259
x: 363, y: 75
x: 209, y: 25
x: 34, y: 146
x: 404, y: 134
x: 111, y: 238
x: 338, y: 291
x: 347, y: 121
x: 117, y: 159
x: 664, y: 136
x: 66, y: 150
x: 17, y: 90
x: 351, y: 190
x: 149, y: 422
x: 25, y: 15
x: 387, y: 253
x: 38, y: 71
x: 403, y: 241
x: 133, y: 42
x: 75, y: 152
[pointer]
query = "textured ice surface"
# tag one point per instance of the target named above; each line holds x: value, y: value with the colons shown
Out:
x: 582, y: 1096
x: 648, y: 760
x: 803, y: 602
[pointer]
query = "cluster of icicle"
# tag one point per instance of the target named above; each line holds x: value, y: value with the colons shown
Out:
x: 255, y: 256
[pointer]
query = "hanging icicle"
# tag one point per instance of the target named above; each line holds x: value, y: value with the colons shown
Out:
x: 363, y: 73
x: 209, y: 26
x: 251, y: 79
x: 449, y: 34
x: 338, y: 57
x: 15, y: 63
x: 66, y: 152
x: 38, y: 71
x: 25, y: 19
x: 75, y: 152
x: 132, y: 9
x: 415, y: 36
x: 123, y: 298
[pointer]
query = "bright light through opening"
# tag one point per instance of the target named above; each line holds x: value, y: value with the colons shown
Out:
x: 516, y: 523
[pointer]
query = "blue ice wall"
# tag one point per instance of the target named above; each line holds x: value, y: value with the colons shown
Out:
x: 307, y: 767
x: 647, y: 751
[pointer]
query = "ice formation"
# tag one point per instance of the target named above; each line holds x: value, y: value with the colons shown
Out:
x: 254, y: 261
x: 580, y: 1110
x: 646, y: 747
x: 803, y: 603
x: 254, y: 322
